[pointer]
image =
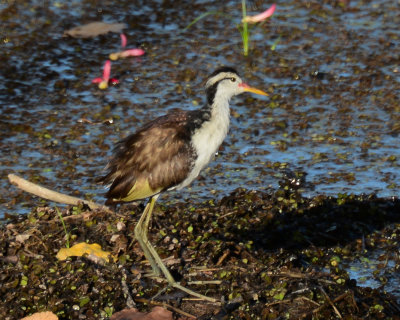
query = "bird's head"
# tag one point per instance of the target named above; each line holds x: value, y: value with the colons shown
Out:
x: 224, y: 83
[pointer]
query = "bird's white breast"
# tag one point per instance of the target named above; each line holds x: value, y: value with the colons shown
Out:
x: 207, y: 139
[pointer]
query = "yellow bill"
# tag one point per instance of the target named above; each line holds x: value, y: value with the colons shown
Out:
x: 247, y: 88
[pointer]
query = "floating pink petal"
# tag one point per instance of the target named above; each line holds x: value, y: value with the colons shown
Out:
x: 124, y: 40
x: 132, y: 53
x: 107, y: 70
x: 260, y: 17
x: 97, y: 80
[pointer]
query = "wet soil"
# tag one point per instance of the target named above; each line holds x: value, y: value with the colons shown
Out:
x: 277, y: 255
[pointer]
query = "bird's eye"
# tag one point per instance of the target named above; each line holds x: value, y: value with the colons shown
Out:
x: 233, y: 79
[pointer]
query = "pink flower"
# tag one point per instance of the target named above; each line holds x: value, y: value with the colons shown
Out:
x: 105, y: 80
x: 127, y: 53
x: 124, y: 40
x: 260, y: 17
x: 132, y: 53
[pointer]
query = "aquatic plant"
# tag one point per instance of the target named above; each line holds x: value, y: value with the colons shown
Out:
x: 243, y: 27
x: 105, y: 80
x: 67, y: 235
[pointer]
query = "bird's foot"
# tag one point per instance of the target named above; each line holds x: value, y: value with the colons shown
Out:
x: 192, y: 293
x: 154, y: 276
x: 177, y: 285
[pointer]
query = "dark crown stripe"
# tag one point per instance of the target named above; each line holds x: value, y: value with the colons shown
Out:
x: 223, y: 69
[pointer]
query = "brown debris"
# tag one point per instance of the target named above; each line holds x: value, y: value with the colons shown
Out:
x: 270, y: 266
x: 94, y: 29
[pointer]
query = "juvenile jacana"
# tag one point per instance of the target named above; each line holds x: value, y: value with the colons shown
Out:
x: 168, y: 153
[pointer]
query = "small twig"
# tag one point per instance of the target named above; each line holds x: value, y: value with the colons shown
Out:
x: 162, y: 304
x: 50, y: 194
x: 130, y: 303
x: 331, y: 303
x: 326, y: 281
x: 38, y: 239
x: 204, y: 269
x: 223, y: 257
x: 386, y: 261
x: 343, y: 295
x: 203, y: 282
x: 226, y: 215
x: 338, y: 298
x: 288, y: 274
x: 354, y: 300
x: 84, y: 216
x: 169, y: 261
x: 33, y: 255
x: 276, y: 302
x: 309, y: 300
x: 301, y: 291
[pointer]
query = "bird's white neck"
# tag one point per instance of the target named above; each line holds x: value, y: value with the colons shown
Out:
x: 207, y: 139
x: 220, y: 111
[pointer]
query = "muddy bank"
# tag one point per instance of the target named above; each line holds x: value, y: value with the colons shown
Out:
x: 277, y: 255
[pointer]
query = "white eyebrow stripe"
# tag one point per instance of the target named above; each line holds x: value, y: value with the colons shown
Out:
x: 220, y: 77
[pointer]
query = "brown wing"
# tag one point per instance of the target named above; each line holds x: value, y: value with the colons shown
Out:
x: 153, y: 159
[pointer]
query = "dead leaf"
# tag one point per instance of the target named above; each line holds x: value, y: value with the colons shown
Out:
x: 120, y: 243
x: 94, y: 29
x: 158, y: 313
x: 82, y: 248
x: 9, y: 259
x: 21, y: 238
x: 42, y: 316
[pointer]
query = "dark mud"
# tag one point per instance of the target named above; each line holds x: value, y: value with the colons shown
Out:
x: 277, y: 255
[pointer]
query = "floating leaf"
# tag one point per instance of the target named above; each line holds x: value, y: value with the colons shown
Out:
x: 82, y: 248
x: 94, y: 29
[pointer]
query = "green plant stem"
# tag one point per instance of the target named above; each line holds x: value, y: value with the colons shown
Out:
x: 201, y: 17
x: 245, y: 31
x: 65, y: 228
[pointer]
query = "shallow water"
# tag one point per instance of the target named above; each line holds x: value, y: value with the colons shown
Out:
x: 334, y: 79
x: 374, y: 269
x: 324, y: 122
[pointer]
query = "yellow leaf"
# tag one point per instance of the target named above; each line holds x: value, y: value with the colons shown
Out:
x: 82, y: 248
